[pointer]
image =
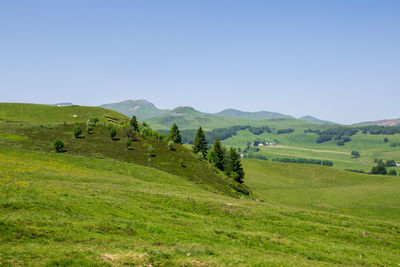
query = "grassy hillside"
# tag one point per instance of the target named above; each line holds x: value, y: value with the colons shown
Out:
x: 321, y: 188
x: 47, y: 114
x: 180, y: 161
x: 58, y: 209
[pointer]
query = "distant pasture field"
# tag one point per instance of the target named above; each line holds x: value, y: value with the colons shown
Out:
x: 302, y: 145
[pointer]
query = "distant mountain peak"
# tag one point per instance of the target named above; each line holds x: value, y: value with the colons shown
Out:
x: 139, y: 102
x: 315, y: 120
x: 184, y: 109
x: 141, y: 108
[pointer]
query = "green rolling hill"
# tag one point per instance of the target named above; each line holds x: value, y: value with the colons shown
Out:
x: 48, y: 114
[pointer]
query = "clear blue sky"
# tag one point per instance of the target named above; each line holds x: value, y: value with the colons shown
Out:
x: 337, y: 60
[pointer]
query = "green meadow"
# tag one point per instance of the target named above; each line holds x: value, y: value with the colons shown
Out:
x: 321, y: 188
x: 68, y: 210
x: 302, y: 145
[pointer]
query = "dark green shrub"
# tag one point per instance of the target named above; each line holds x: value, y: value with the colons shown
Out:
x: 77, y: 131
x: 59, y: 145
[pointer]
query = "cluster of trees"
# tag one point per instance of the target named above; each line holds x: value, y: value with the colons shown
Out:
x: 304, y: 161
x: 355, y: 154
x: 377, y: 129
x: 388, y: 163
x: 381, y: 166
x: 341, y: 134
x: 226, y: 160
x: 394, y: 144
x: 259, y: 130
x: 283, y: 131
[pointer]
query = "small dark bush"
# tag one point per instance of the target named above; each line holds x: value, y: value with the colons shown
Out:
x: 59, y: 145
x: 77, y: 131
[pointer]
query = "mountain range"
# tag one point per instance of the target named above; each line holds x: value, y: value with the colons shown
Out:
x: 145, y: 110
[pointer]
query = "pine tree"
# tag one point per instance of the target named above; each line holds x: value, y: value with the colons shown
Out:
x: 216, y: 156
x: 134, y: 124
x: 200, y: 143
x: 236, y: 168
x: 174, y: 134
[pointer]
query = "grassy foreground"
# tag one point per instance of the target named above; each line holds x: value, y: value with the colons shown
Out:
x: 69, y: 210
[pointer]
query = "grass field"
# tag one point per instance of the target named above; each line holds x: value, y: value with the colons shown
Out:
x: 67, y: 210
x: 303, y: 145
x: 325, y: 189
